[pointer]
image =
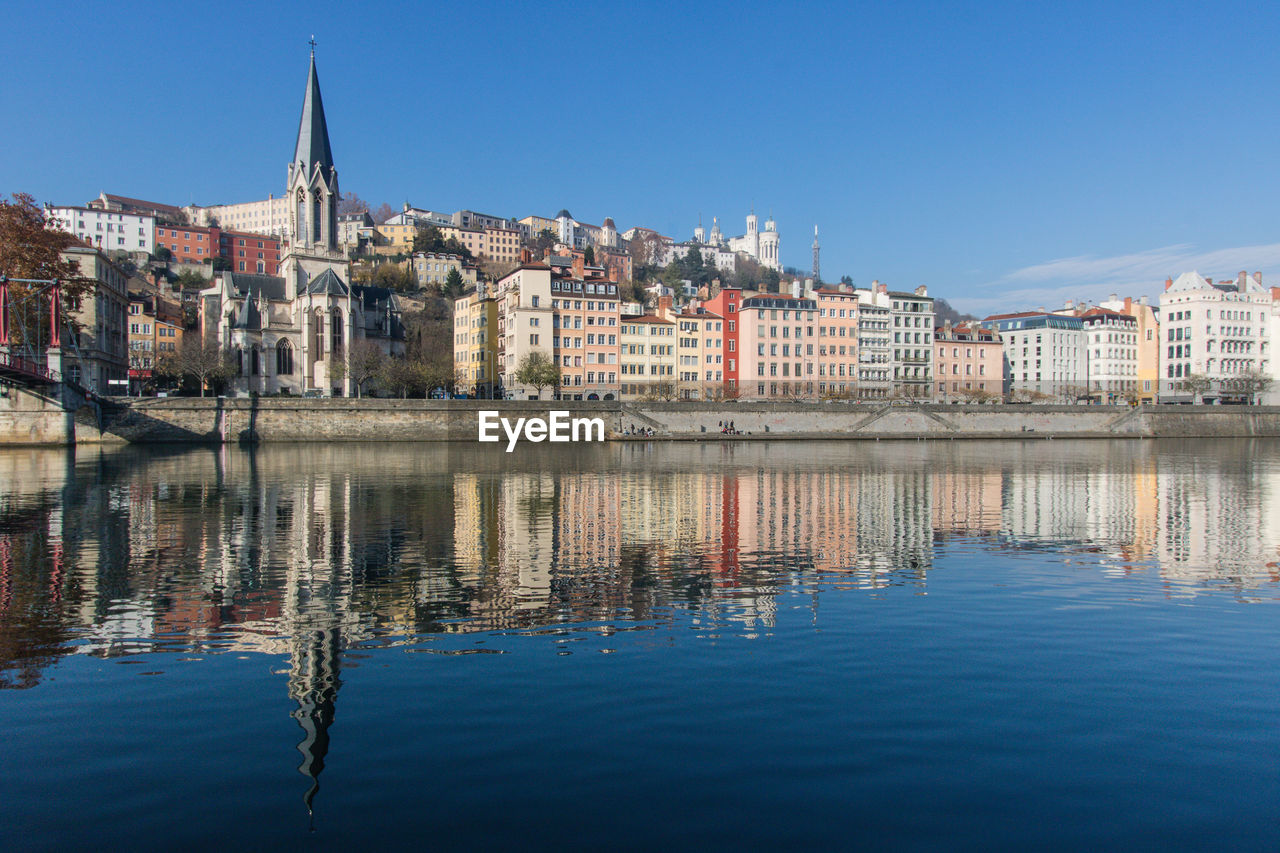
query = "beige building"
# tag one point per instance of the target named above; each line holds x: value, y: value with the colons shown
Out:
x: 97, y: 358
x: 269, y: 216
x: 498, y: 245
x: 430, y: 269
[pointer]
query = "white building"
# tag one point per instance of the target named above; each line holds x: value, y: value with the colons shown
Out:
x: 912, y: 318
x: 875, y: 353
x: 1044, y: 354
x: 1111, y: 355
x: 1219, y: 331
x: 107, y: 230
x: 721, y: 257
x: 760, y: 246
x: 418, y: 217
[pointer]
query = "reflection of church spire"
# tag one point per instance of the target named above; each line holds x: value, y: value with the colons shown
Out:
x: 313, y: 684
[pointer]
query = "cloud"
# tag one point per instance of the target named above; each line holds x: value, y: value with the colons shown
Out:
x: 1052, y: 283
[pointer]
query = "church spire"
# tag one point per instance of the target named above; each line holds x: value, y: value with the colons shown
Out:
x: 313, y: 133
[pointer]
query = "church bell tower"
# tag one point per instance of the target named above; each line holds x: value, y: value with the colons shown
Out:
x: 313, y: 196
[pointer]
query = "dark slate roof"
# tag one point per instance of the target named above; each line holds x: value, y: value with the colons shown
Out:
x: 329, y: 283
x: 249, y: 317
x: 313, y: 133
x: 371, y: 297
x: 250, y: 284
x: 563, y: 214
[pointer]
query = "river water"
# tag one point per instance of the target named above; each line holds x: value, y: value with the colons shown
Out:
x: 961, y: 645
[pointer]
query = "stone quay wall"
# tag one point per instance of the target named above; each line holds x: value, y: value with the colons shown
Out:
x: 29, y: 420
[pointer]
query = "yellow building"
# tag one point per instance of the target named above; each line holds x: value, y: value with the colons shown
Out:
x: 648, y: 357
x: 475, y: 353
x: 155, y: 330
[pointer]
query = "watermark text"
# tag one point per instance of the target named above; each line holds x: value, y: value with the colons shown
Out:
x: 556, y: 427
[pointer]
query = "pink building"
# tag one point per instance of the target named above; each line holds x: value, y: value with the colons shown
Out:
x: 778, y: 346
x: 970, y: 363
x: 837, y: 341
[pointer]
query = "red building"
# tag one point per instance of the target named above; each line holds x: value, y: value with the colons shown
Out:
x: 727, y: 303
x: 252, y: 253
x: 255, y: 253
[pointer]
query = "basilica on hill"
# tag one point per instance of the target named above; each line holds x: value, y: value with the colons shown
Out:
x: 293, y: 333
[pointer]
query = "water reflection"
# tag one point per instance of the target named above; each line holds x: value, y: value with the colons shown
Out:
x: 305, y: 552
x: 203, y: 550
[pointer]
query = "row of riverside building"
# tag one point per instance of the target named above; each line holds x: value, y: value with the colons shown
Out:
x: 842, y: 342
x: 828, y: 341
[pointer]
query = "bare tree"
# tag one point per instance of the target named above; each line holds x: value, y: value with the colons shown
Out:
x: 205, y: 361
x: 382, y: 213
x: 365, y: 362
x: 352, y: 203
x: 1195, y: 384
x: 1250, y: 384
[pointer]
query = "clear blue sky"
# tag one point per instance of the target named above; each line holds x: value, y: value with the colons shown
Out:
x: 1004, y: 154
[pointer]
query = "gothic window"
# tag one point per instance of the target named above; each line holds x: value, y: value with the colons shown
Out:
x: 336, y: 324
x: 284, y: 359
x: 254, y: 366
x: 239, y: 362
x: 316, y: 219
x: 300, y: 222
x: 317, y: 335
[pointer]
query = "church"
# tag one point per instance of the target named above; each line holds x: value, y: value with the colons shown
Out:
x: 294, y: 333
x: 761, y: 247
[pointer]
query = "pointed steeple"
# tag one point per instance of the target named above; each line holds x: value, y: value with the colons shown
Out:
x: 313, y: 133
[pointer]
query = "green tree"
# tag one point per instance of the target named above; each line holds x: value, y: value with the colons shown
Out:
x: 589, y: 256
x: 453, y: 284
x: 190, y: 280
x: 162, y: 254
x: 541, y: 243
x: 392, y: 276
x: 538, y: 370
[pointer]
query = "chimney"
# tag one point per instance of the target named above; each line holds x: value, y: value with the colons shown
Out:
x: 579, y: 266
x: 1257, y: 278
x: 922, y: 290
x: 1115, y: 298
x: 664, y: 306
x: 880, y: 288
x: 795, y: 288
x: 1142, y: 301
x: 1168, y: 283
x: 1241, y: 278
x: 1128, y: 303
x: 1070, y: 305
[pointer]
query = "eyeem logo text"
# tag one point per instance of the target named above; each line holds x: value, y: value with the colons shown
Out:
x: 557, y: 427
